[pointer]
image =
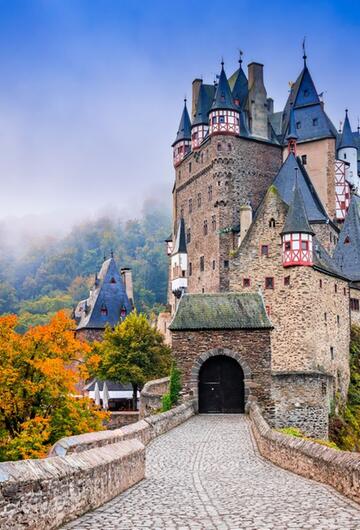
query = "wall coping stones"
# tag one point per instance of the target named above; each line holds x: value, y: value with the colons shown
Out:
x: 339, y: 469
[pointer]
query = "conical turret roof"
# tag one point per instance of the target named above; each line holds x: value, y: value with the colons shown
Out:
x: 347, y: 137
x: 292, y: 134
x: 223, y: 99
x: 184, y: 131
x: 240, y: 89
x: 180, y: 241
x: 296, y: 219
x: 206, y: 95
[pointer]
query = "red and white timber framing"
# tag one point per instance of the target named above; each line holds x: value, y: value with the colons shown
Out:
x: 198, y: 133
x: 181, y: 149
x: 297, y: 249
x: 342, y: 190
x: 224, y: 122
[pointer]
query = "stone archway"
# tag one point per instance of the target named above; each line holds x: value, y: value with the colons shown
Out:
x: 195, y: 371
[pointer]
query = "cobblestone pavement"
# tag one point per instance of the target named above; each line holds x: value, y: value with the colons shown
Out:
x: 207, y: 474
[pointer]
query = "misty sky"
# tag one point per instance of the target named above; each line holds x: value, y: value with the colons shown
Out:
x: 91, y: 90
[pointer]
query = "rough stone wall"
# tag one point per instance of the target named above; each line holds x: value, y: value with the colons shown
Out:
x: 44, y: 494
x: 321, y: 169
x: 311, y: 323
x: 339, y: 469
x: 302, y: 401
x: 251, y: 346
x: 151, y: 395
x: 327, y: 235
x: 162, y: 325
x: 238, y: 170
x: 121, y: 418
x: 89, y: 335
x: 354, y: 314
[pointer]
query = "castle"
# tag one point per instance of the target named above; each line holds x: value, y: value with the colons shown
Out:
x: 264, y: 275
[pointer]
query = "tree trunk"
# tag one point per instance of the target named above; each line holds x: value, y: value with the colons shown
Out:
x: 135, y: 389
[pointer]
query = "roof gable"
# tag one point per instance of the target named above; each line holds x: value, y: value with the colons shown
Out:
x: 296, y: 219
x: 223, y: 99
x: 240, y: 88
x: 347, y: 251
x: 220, y: 311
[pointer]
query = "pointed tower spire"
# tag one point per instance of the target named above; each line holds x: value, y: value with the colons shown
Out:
x: 297, y: 234
x: 224, y: 115
x: 292, y: 136
x: 347, y: 151
x: 240, y: 89
x: 182, y: 143
x: 179, y: 262
x: 347, y: 138
x: 304, y: 51
x: 200, y: 125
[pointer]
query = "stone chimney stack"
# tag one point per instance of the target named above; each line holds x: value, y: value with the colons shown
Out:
x: 196, y: 84
x: 245, y: 220
x: 258, y: 102
x: 126, y: 275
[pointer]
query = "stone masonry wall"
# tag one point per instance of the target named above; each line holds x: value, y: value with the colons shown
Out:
x: 310, y: 315
x: 302, y: 401
x: 250, y: 346
x: 226, y: 172
x: 151, y: 395
x: 90, y: 335
x: 339, y: 469
x: 355, y: 314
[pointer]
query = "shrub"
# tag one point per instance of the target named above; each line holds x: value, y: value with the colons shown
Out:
x: 175, y: 384
x: 166, y: 402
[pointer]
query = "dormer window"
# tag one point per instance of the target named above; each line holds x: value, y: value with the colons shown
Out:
x: 298, y: 124
x: 306, y: 92
x: 272, y: 223
x: 222, y: 97
x: 123, y: 312
x: 113, y: 280
x: 304, y: 159
x: 315, y: 122
x: 347, y: 240
x: 103, y: 310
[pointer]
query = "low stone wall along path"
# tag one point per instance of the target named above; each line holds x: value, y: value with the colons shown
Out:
x: 207, y: 474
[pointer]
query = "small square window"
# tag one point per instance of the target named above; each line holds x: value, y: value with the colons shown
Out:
x: 221, y: 119
x: 190, y: 269
x: 304, y: 245
x: 202, y: 263
x: 304, y: 160
x: 269, y: 283
x: 226, y: 264
x: 320, y: 284
x: 298, y: 124
x: 287, y: 280
x: 246, y: 282
x: 264, y: 250
x: 335, y: 288
x: 315, y: 122
x: 287, y: 245
x: 332, y: 352
x: 306, y: 92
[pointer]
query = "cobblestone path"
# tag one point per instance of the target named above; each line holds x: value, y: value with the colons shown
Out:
x: 207, y: 474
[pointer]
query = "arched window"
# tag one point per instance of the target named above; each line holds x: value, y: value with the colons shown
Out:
x: 272, y: 223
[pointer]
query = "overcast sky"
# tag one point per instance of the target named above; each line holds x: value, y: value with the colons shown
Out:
x: 91, y: 90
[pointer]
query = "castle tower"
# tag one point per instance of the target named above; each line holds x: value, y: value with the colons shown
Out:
x: 297, y: 235
x: 347, y: 151
x: 257, y: 101
x: 224, y: 115
x: 240, y: 90
x: 292, y: 136
x: 200, y: 124
x: 179, y: 262
x: 182, y: 145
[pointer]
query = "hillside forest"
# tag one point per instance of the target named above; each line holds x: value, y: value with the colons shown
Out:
x: 55, y: 273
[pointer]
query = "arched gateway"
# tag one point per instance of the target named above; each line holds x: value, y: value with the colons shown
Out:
x: 221, y: 386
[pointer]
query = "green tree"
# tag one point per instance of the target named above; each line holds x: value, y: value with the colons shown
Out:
x: 134, y: 352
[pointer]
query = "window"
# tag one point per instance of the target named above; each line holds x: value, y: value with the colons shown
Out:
x: 213, y: 120
x: 344, y: 155
x: 335, y: 288
x: 268, y: 310
x: 246, y: 282
x: 190, y: 205
x: 287, y: 280
x: 330, y: 237
x: 190, y: 269
x: 315, y: 122
x: 347, y: 240
x: 269, y: 283
x: 199, y: 200
x: 320, y: 284
x: 214, y: 264
x: 188, y: 235
x: 113, y: 280
x: 287, y: 245
x: 213, y: 222
x: 304, y: 159
x: 229, y: 148
x: 189, y: 167
x: 354, y: 304
x: 226, y: 264
x: 338, y: 319
x: 103, y: 310
x: 332, y: 352
x: 306, y: 92
x: 194, y: 135
x: 219, y: 146
x: 264, y: 250
x: 304, y: 245
x: 210, y: 193
x: 205, y: 228
x: 202, y: 263
x: 325, y: 317
x: 179, y: 174
x: 272, y: 223
x: 221, y: 119
x: 344, y: 291
x: 298, y: 124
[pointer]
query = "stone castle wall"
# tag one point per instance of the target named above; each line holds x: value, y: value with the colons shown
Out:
x: 355, y: 313
x: 250, y: 347
x: 226, y: 172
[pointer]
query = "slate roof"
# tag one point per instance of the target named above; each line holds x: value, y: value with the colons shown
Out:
x: 347, y: 254
x: 204, y: 102
x: 108, y: 292
x: 184, y: 130
x: 220, y: 311
x: 308, y: 110
x: 112, y: 385
x: 347, y: 137
x: 285, y: 184
x: 323, y: 261
x: 180, y: 241
x: 296, y: 219
x: 239, y: 87
x: 292, y: 134
x: 223, y: 99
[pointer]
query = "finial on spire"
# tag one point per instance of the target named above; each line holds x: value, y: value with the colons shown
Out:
x: 358, y: 125
x: 340, y: 126
x: 104, y: 257
x: 346, y: 112
x: 185, y: 100
x: 222, y: 62
x: 241, y: 53
x: 112, y: 253
x: 304, y: 51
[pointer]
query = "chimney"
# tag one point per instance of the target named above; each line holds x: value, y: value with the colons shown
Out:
x: 270, y: 105
x: 245, y: 220
x: 258, y: 102
x: 126, y: 275
x: 196, y: 84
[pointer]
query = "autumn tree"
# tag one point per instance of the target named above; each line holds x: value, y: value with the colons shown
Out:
x: 38, y: 377
x: 134, y: 352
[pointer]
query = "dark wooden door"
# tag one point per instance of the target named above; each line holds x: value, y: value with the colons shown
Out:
x: 221, y: 385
